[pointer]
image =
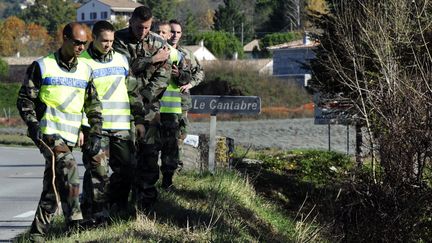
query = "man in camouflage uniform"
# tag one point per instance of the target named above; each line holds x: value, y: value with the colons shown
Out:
x: 110, y: 70
x: 51, y: 99
x: 147, y: 54
x: 197, y: 77
x: 171, y: 110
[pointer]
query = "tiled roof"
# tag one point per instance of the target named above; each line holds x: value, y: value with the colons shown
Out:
x: 294, y: 44
x: 120, y: 3
x: 193, y: 48
x: 251, y: 45
x: 255, y: 64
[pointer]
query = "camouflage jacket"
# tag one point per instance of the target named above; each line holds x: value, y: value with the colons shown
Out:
x: 197, y: 75
x: 31, y: 108
x: 148, y: 79
x: 185, y: 74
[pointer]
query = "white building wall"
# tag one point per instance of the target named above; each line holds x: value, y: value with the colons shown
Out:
x: 93, y: 6
x: 202, y: 54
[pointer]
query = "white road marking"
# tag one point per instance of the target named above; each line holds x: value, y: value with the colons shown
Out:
x: 26, y: 214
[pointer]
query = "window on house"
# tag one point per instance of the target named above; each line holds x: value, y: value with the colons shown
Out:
x: 93, y: 15
x: 104, y: 15
x: 82, y: 16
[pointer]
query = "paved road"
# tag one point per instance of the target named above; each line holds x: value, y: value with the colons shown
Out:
x: 21, y: 171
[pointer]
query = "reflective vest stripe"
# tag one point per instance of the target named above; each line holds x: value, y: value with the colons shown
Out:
x: 71, y: 82
x: 67, y: 132
x: 58, y: 126
x: 109, y: 71
x: 113, y: 88
x: 115, y: 105
x: 116, y: 118
x: 68, y: 100
x: 170, y: 104
x: 170, y: 93
x: 62, y: 115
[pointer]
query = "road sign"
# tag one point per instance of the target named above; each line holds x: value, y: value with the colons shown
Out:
x: 212, y: 104
x: 332, y: 111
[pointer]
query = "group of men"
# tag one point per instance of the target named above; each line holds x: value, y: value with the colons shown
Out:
x: 124, y: 101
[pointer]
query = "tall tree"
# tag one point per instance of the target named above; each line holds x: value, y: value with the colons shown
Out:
x: 50, y: 13
x: 12, y: 9
x: 263, y: 10
x: 161, y: 9
x: 286, y: 16
x: 190, y: 27
x: 37, y: 41
x: 197, y: 13
x: 230, y: 17
x: 11, y: 36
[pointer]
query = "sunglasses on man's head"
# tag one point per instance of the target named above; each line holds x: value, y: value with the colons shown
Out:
x: 78, y: 42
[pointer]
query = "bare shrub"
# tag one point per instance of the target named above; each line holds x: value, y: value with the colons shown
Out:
x: 377, y: 54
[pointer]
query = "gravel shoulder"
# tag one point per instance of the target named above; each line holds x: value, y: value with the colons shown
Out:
x: 284, y: 134
x: 281, y: 133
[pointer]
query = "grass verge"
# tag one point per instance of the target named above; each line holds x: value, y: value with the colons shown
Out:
x: 8, y: 98
x: 13, y: 139
x: 204, y: 208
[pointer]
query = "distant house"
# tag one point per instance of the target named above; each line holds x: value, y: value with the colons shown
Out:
x: 201, y: 52
x: 290, y: 60
x: 250, y: 49
x: 25, y: 4
x: 261, y: 66
x: 110, y: 10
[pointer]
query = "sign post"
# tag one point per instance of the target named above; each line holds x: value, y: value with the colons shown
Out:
x: 212, y: 144
x: 332, y: 111
x: 213, y: 105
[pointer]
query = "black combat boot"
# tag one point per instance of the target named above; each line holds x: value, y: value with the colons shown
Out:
x: 167, y: 182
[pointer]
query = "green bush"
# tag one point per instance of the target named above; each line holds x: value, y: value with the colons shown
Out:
x: 321, y: 167
x: 220, y: 43
x: 314, y: 166
x: 275, y: 39
x: 8, y: 97
x: 4, y: 69
x: 279, y: 38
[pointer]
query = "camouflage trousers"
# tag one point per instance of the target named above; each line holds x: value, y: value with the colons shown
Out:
x: 66, y: 182
x: 147, y: 168
x: 171, y: 141
x: 184, y: 128
x: 100, y: 190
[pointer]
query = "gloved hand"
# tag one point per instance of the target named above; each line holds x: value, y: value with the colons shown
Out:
x: 93, y: 145
x: 140, y: 131
x: 34, y: 132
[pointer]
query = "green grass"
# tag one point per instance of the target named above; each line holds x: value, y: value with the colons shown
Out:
x: 8, y: 97
x: 205, y: 208
x: 10, y: 139
x: 223, y: 78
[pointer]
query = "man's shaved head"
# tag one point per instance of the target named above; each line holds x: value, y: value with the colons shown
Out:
x: 71, y: 29
x: 74, y: 40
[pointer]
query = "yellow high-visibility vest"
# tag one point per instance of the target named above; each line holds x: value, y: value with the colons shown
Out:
x: 63, y: 93
x: 110, y: 82
x: 171, y: 99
